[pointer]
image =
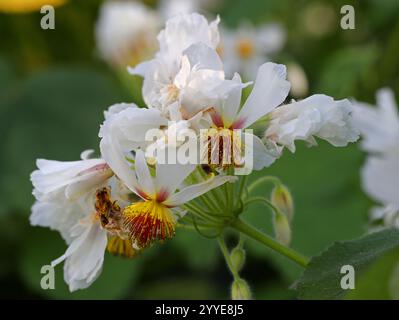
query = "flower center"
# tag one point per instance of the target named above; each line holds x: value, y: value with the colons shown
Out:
x: 245, y: 48
x: 172, y: 93
x: 148, y: 221
x: 222, y: 148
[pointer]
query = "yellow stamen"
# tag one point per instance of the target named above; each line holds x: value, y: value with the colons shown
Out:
x: 148, y: 221
x: 223, y: 148
x: 121, y: 247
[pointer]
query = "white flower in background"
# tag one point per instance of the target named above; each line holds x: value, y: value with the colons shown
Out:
x: 154, y: 218
x: 299, y: 82
x: 379, y: 127
x: 171, y: 8
x: 244, y: 50
x: 69, y: 179
x: 126, y: 32
x: 316, y: 116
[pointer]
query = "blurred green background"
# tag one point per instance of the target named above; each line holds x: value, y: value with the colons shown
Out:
x: 53, y: 89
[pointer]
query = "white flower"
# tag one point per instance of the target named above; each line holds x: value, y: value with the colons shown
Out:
x: 126, y: 32
x: 270, y: 90
x: 74, y: 198
x: 380, y: 176
x: 184, y: 30
x: 316, y: 116
x: 69, y: 179
x: 187, y: 69
x: 125, y: 126
x: 99, y: 228
x: 171, y: 8
x: 379, y: 126
x: 246, y: 49
x: 154, y: 218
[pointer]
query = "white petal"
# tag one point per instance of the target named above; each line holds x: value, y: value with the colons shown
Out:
x: 116, y: 108
x: 84, y: 257
x: 379, y: 126
x: 270, y: 90
x: 143, y: 174
x: 184, y: 30
x: 86, y: 154
x: 202, y: 56
x: 54, y: 177
x: 170, y: 176
x: 380, y: 178
x: 115, y: 157
x: 193, y: 191
x: 141, y: 69
x: 231, y: 105
x: 316, y: 116
x: 57, y: 215
x: 124, y: 132
x: 262, y: 156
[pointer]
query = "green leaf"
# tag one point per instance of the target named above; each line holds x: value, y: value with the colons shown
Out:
x: 379, y: 281
x: 322, y: 278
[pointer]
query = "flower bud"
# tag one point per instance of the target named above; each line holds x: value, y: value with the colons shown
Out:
x: 282, y: 228
x: 282, y: 199
x: 237, y: 257
x: 240, y: 290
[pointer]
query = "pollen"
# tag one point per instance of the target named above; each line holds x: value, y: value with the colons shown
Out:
x: 149, y: 221
x: 245, y: 48
x: 121, y: 247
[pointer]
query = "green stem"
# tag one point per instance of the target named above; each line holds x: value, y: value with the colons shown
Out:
x: 201, y: 213
x: 226, y: 254
x: 243, y: 183
x: 255, y: 234
x: 263, y: 201
x: 262, y: 180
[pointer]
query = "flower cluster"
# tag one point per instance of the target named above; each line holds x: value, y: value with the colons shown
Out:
x: 379, y: 128
x: 127, y: 200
